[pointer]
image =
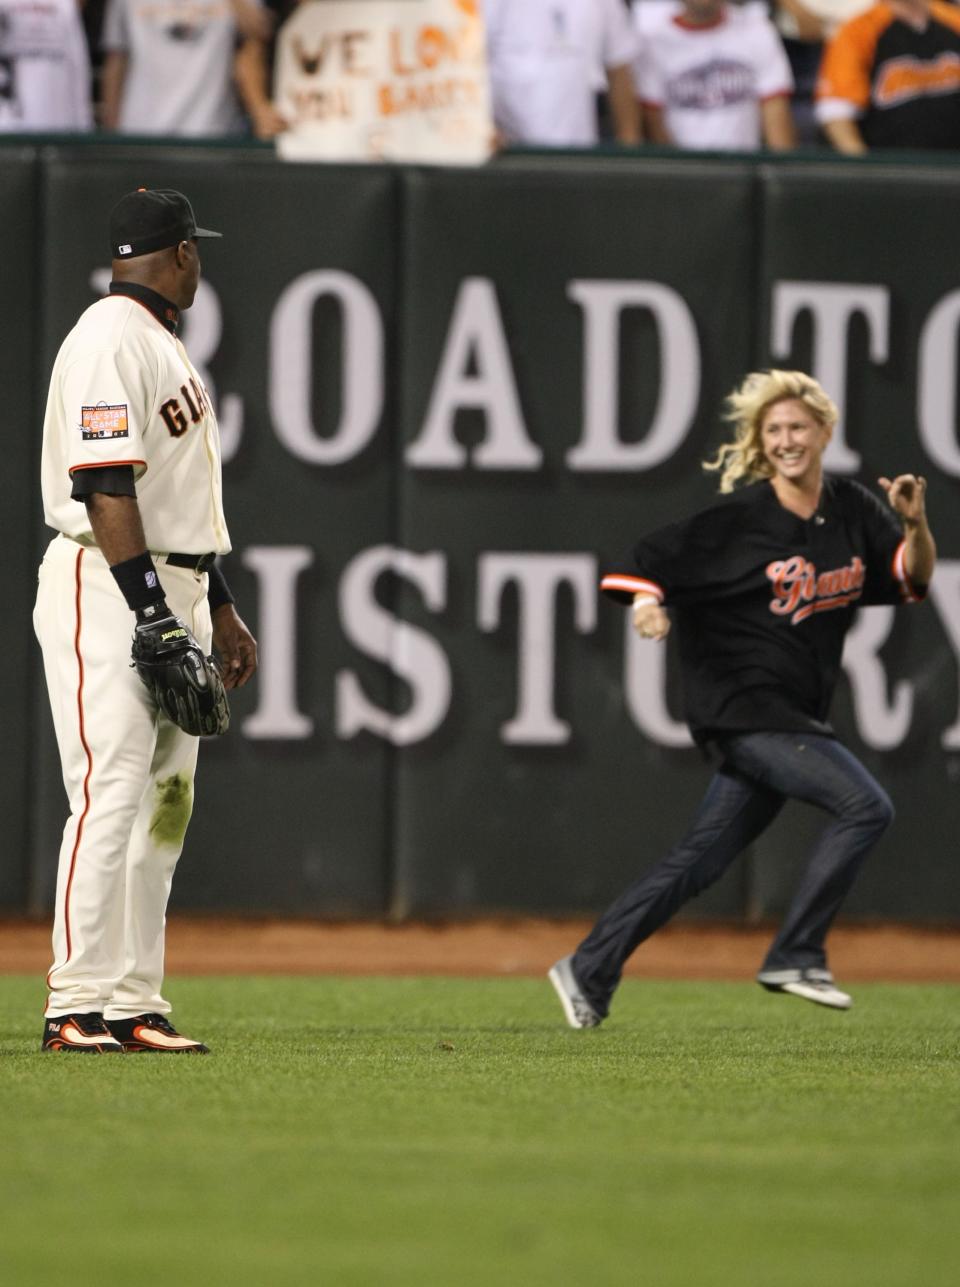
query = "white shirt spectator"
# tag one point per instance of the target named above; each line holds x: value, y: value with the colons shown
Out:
x: 179, y: 74
x: 44, y: 67
x: 547, y: 60
x: 710, y: 80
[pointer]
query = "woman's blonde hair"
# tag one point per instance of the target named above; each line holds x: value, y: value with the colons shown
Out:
x: 742, y: 460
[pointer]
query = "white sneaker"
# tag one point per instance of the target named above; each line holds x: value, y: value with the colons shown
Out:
x: 813, y: 985
x: 580, y: 1013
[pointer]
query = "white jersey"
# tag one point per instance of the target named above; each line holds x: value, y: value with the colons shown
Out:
x: 44, y: 67
x: 179, y: 75
x: 124, y: 392
x: 710, y: 81
x: 548, y: 59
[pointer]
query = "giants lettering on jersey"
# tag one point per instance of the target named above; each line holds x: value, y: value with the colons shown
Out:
x: 195, y: 396
x: 903, y: 79
x: 799, y: 592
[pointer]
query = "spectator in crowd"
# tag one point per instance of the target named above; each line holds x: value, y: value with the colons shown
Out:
x: 814, y: 21
x: 44, y: 67
x: 549, y: 58
x: 179, y: 67
x: 713, y: 76
x: 255, y: 62
x: 891, y: 78
x: 804, y: 26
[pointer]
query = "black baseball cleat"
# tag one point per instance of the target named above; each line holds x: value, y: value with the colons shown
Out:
x: 87, y: 1034
x: 153, y: 1034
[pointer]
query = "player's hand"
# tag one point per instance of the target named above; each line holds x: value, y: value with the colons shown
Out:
x: 650, y: 621
x: 906, y: 494
x: 235, y: 645
x: 184, y: 684
x: 159, y: 630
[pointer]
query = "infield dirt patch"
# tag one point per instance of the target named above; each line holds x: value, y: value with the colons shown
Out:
x: 208, y: 945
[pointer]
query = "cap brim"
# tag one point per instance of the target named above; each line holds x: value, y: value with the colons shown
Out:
x: 205, y: 232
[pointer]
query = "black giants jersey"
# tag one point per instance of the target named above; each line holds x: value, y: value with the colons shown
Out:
x: 903, y: 83
x: 761, y: 601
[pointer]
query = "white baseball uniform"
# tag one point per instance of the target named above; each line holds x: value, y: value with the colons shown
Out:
x: 122, y: 392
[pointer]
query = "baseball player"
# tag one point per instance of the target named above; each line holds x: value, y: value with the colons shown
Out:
x: 762, y: 588
x: 131, y: 484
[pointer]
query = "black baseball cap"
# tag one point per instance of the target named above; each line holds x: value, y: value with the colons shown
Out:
x: 152, y: 219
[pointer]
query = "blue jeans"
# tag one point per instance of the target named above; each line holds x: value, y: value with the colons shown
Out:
x: 760, y: 771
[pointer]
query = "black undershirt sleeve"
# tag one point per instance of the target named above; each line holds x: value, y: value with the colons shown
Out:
x: 111, y: 480
x: 218, y: 592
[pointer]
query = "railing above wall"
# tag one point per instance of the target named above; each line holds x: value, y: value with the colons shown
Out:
x: 603, y: 151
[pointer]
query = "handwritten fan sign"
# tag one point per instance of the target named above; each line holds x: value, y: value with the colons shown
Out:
x: 384, y: 80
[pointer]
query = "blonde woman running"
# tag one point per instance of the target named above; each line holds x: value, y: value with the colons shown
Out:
x: 761, y: 589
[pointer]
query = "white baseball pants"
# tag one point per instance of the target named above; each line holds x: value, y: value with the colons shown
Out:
x: 128, y: 773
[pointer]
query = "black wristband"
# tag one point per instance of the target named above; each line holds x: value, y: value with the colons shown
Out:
x: 218, y: 592
x: 138, y: 581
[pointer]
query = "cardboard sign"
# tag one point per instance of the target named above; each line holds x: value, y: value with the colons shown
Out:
x: 384, y: 80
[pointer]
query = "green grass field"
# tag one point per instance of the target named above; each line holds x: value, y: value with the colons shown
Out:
x: 392, y: 1132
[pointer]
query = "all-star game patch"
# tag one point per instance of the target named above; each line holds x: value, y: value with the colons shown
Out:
x: 103, y: 421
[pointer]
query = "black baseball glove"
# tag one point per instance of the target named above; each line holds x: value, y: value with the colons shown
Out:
x: 184, y: 683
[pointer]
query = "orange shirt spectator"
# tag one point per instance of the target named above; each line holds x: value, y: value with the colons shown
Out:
x: 891, y: 78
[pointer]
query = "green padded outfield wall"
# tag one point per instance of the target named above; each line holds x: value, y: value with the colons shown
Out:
x: 20, y: 281
x: 582, y: 320
x: 446, y: 398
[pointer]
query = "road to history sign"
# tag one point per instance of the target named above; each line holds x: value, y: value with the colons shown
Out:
x: 384, y: 80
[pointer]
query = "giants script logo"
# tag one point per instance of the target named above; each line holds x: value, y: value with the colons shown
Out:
x: 798, y: 592
x: 904, y: 79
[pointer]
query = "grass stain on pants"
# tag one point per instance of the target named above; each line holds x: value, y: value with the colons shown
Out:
x: 174, y: 796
